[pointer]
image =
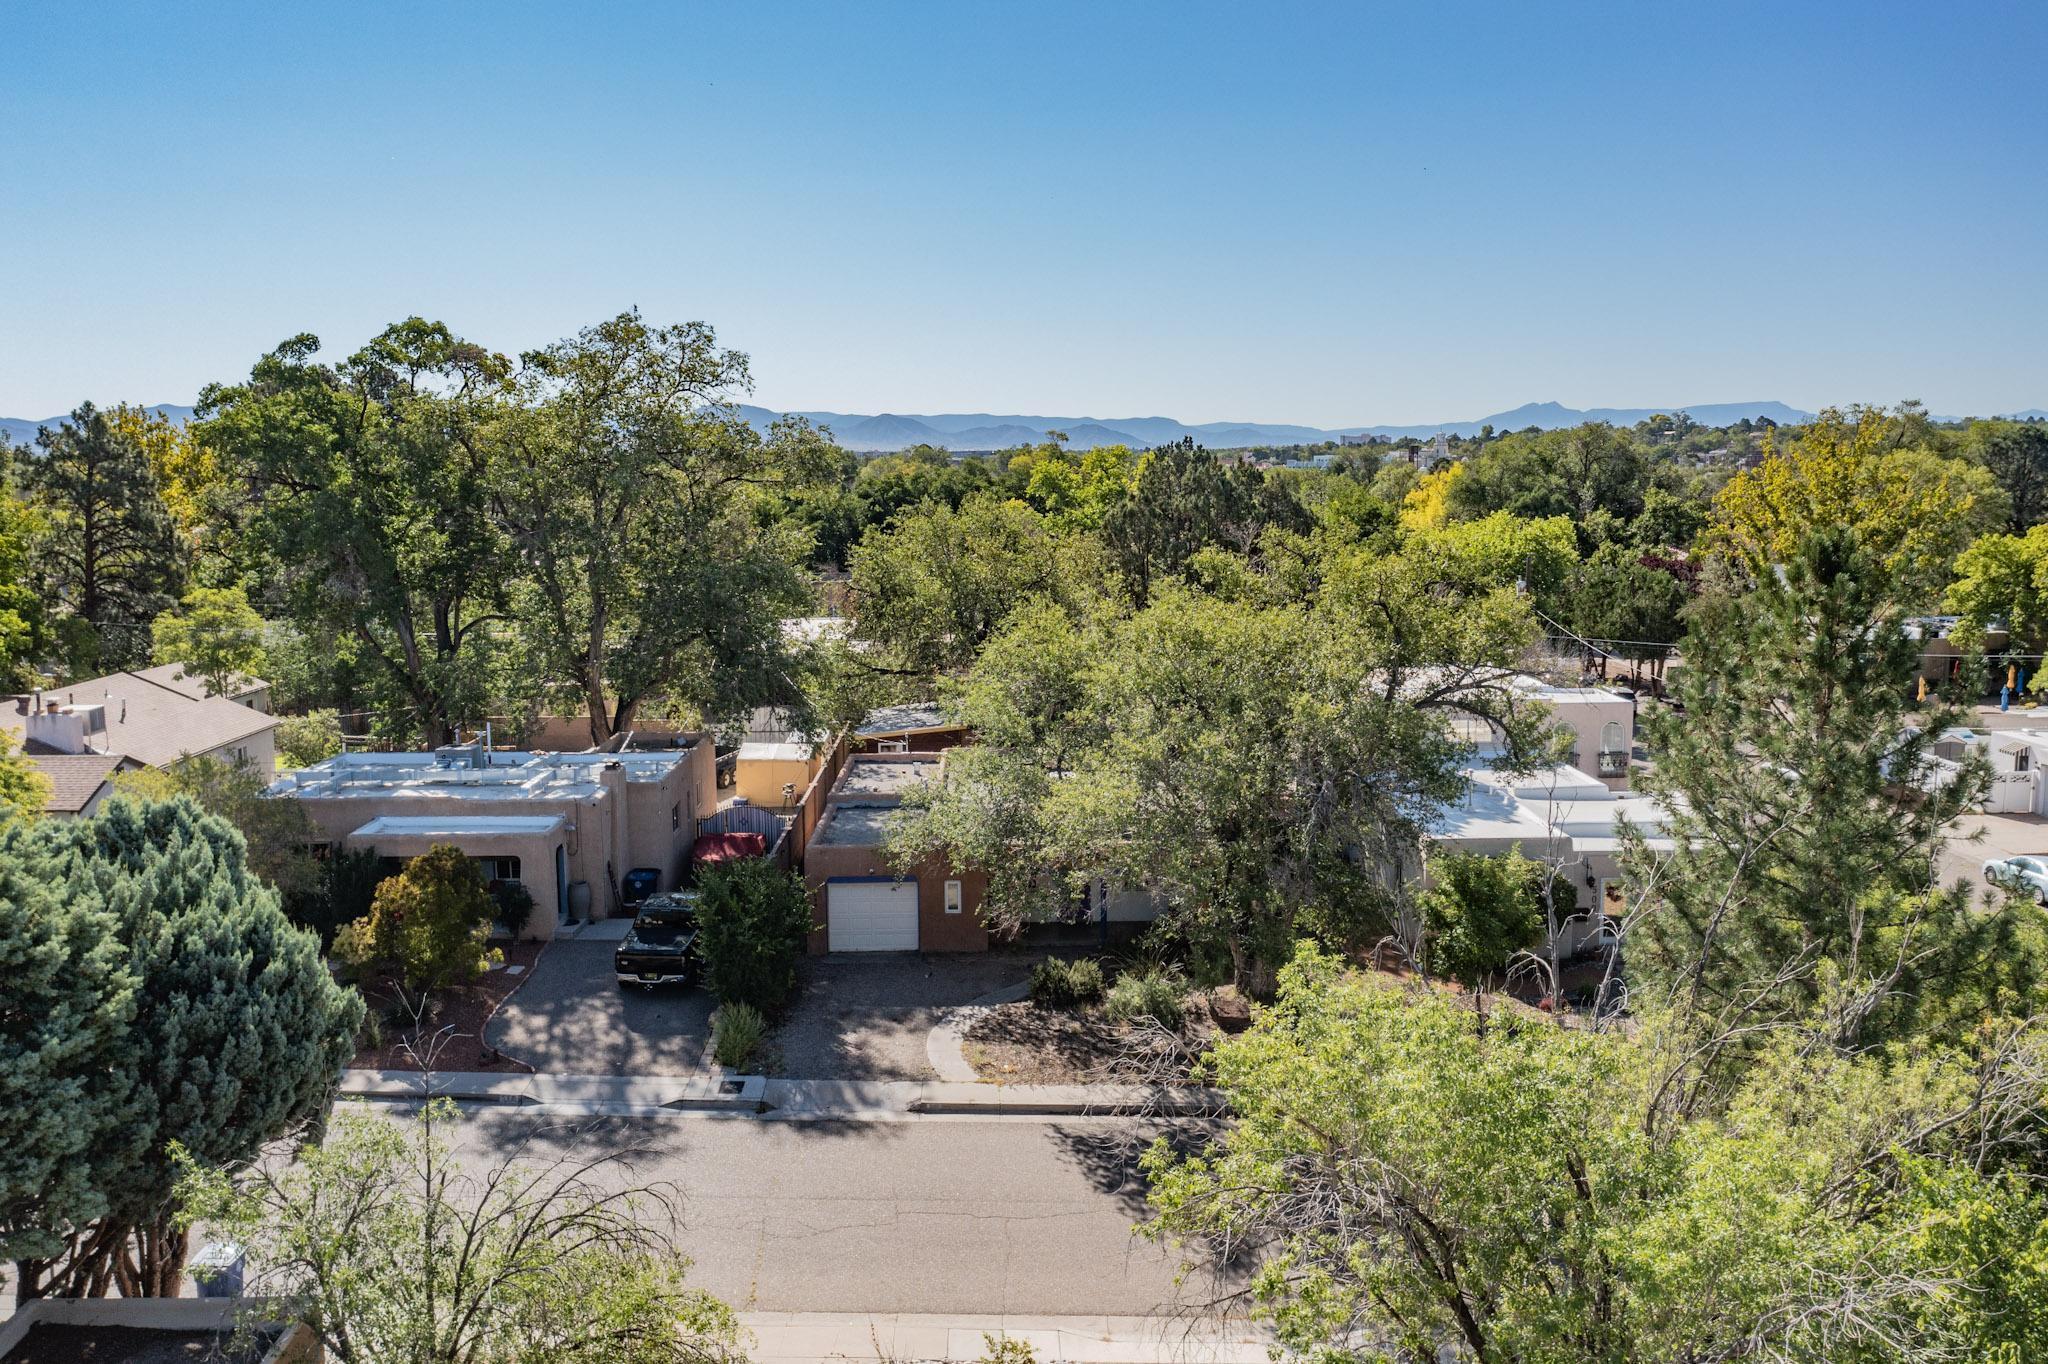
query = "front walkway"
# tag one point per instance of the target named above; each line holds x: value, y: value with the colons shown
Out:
x: 904, y: 1338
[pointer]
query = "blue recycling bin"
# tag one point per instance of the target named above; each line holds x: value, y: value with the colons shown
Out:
x: 218, y: 1269
x: 639, y: 883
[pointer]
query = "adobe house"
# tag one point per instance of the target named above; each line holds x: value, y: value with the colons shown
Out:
x: 567, y: 826
x: 862, y: 903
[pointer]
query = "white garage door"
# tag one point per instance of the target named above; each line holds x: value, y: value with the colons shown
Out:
x: 871, y: 916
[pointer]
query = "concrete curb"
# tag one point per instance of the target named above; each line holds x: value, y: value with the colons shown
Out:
x: 1179, y: 1101
x: 713, y: 1093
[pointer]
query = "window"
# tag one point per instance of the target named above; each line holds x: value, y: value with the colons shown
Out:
x: 499, y: 868
x: 952, y: 897
x: 892, y: 746
x: 2022, y: 760
x: 675, y: 816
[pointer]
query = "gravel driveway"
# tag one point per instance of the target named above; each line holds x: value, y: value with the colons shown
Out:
x: 572, y: 1018
x: 866, y: 1015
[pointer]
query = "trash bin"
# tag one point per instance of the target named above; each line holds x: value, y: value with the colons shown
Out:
x: 639, y: 884
x: 217, y: 1269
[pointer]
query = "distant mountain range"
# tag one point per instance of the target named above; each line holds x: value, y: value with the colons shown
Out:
x: 992, y: 431
x: 21, y: 430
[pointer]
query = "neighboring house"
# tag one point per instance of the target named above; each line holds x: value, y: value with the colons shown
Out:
x: 2016, y: 757
x: 567, y: 826
x: 863, y: 905
x: 252, y: 692
x: 146, y: 719
x: 1561, y: 816
x: 918, y: 727
x: 1602, y: 723
x: 78, y: 781
x: 1941, y: 657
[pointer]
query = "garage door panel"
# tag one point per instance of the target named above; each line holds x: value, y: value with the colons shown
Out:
x: 871, y: 916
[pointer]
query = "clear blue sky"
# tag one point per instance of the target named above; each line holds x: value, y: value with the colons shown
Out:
x: 1333, y: 214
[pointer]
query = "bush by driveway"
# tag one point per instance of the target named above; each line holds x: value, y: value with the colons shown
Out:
x: 867, y: 1015
x: 571, y: 1018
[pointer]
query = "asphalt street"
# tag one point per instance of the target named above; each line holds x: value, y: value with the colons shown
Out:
x: 927, y: 1215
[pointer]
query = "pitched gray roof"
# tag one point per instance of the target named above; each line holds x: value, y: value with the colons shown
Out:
x: 75, y: 778
x: 148, y: 721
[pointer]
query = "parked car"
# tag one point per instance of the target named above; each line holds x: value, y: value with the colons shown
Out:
x: 661, y: 946
x: 2028, y: 875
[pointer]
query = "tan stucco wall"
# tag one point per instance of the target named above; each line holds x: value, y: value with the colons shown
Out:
x: 762, y: 782
x: 261, y: 749
x: 536, y: 854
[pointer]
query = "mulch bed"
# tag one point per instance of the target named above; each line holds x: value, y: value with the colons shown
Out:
x: 1023, y: 1044
x: 453, y: 1023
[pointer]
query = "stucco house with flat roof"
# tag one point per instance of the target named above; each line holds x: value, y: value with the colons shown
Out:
x: 567, y: 826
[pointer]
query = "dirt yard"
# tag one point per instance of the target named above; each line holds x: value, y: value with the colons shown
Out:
x: 1023, y: 1044
x: 452, y: 1027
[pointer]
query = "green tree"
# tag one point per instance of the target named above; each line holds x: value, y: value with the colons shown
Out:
x: 753, y: 917
x: 2016, y: 453
x: 431, y: 920
x: 109, y: 549
x: 931, y: 589
x: 24, y: 621
x: 231, y: 1034
x: 215, y: 634
x: 2002, y: 580
x: 276, y: 835
x: 1629, y: 604
x: 393, y: 1252
x: 1239, y: 761
x: 303, y: 740
x: 24, y: 791
x: 1184, y: 500
x: 1573, y: 473
x: 627, y: 485
x: 1404, y: 1173
x: 369, y: 489
x: 1807, y: 810
x: 1478, y: 911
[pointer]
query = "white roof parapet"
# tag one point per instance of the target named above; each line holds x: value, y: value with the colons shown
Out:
x: 451, y: 826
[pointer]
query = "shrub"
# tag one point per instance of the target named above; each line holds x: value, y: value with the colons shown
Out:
x: 515, y: 907
x: 1006, y: 1349
x: 1058, y: 984
x: 303, y: 740
x: 1154, y: 994
x: 751, y: 920
x: 735, y: 1031
x: 430, y: 920
x: 1478, y: 910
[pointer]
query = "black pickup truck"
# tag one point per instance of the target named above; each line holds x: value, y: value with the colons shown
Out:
x: 661, y: 947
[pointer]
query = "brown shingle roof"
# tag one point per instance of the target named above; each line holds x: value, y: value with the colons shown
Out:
x: 75, y: 778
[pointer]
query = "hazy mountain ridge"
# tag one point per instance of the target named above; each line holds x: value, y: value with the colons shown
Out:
x: 995, y: 431
x: 999, y: 431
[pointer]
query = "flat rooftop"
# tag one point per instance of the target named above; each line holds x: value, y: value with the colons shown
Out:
x: 458, y: 826
x: 856, y: 826
x: 485, y: 776
x: 886, y: 776
x: 51, y: 1343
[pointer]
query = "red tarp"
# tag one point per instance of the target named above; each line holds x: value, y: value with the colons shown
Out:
x: 728, y: 847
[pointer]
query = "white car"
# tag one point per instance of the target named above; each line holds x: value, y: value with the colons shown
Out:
x: 2028, y: 875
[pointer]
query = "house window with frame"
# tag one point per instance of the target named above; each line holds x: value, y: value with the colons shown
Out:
x: 2023, y: 760
x: 499, y: 868
x: 675, y: 816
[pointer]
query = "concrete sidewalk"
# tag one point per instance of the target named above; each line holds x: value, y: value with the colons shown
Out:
x: 902, y: 1338
x: 786, y: 1100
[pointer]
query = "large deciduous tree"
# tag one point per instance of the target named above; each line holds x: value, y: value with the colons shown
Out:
x: 169, y: 1001
x: 1409, y: 1179
x: 626, y: 488
x: 370, y: 488
x: 1251, y: 765
x: 1185, y: 500
x: 1913, y: 508
x: 109, y: 549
